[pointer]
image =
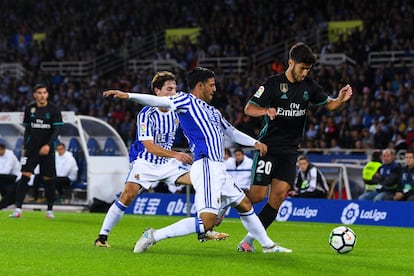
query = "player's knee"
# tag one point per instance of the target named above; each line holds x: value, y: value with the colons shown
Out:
x: 127, y: 197
x: 255, y: 196
x: 244, y: 206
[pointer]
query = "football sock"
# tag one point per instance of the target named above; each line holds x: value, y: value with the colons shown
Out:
x: 112, y: 217
x: 255, y: 228
x: 180, y: 228
x: 50, y: 193
x: 267, y: 215
x: 21, y: 190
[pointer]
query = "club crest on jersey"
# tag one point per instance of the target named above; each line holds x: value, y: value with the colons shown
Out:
x: 305, y: 95
x: 137, y: 176
x: 283, y: 87
x: 33, y: 110
x: 259, y: 92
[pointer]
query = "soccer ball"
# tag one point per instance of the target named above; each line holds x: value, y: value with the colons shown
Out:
x: 342, y: 239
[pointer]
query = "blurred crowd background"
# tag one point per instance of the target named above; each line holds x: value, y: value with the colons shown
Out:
x: 380, y: 114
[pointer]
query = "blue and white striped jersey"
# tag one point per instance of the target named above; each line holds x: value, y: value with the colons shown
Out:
x: 203, y: 126
x: 153, y: 124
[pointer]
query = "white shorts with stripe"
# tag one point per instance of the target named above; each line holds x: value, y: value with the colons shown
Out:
x: 149, y: 175
x: 214, y: 187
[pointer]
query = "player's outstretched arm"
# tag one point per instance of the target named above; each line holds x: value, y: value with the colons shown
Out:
x: 144, y: 99
x: 343, y: 96
x: 116, y: 93
x: 245, y: 140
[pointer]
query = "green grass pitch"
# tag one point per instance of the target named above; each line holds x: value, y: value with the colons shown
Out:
x: 34, y: 245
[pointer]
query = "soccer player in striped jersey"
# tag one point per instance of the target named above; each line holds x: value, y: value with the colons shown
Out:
x: 205, y: 127
x: 151, y: 157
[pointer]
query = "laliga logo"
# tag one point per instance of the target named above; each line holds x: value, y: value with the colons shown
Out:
x: 350, y: 213
x: 284, y: 211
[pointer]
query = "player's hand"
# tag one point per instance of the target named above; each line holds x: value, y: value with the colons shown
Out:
x: 184, y: 158
x: 271, y: 113
x: 345, y: 93
x: 44, y: 150
x: 262, y: 148
x: 116, y: 93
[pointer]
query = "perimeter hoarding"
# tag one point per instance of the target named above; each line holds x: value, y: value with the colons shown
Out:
x: 385, y: 213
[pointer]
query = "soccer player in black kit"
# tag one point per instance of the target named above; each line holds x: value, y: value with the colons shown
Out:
x: 42, y: 121
x: 284, y: 100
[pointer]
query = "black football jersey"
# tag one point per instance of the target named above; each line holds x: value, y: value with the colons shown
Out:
x: 291, y: 100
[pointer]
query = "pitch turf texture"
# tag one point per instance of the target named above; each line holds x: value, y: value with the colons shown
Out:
x: 34, y: 245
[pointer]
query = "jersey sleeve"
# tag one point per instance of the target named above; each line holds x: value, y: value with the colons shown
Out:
x: 144, y: 127
x: 319, y: 96
x: 180, y: 101
x: 262, y: 96
x: 57, y: 124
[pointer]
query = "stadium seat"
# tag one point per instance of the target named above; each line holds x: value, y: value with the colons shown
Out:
x: 93, y: 146
x: 109, y: 147
x: 18, y: 147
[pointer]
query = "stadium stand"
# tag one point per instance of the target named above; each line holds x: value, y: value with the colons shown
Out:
x: 375, y: 59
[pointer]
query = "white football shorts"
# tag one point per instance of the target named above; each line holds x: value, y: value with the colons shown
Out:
x: 214, y: 187
x: 148, y: 174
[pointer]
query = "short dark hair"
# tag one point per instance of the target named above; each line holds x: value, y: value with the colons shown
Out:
x: 160, y: 78
x: 410, y: 151
x: 302, y: 53
x: 38, y: 86
x: 61, y: 144
x: 2, y: 146
x: 198, y: 74
x: 239, y: 150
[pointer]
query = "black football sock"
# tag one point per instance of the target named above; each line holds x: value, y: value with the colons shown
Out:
x: 21, y: 190
x: 50, y: 192
x: 267, y: 215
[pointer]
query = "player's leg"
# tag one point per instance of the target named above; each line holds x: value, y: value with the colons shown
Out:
x: 28, y: 164
x: 116, y: 212
x: 283, y: 173
x: 140, y: 177
x: 279, y: 171
x: 232, y: 194
x: 48, y: 170
x: 207, y: 187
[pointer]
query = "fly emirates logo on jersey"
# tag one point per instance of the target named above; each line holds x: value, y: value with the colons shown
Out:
x: 293, y: 111
x: 39, y: 124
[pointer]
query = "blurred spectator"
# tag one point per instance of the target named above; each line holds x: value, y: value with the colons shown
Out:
x: 388, y: 178
x: 370, y: 169
x: 406, y: 188
x: 310, y: 181
x: 9, y: 174
x: 240, y: 168
x: 66, y: 171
